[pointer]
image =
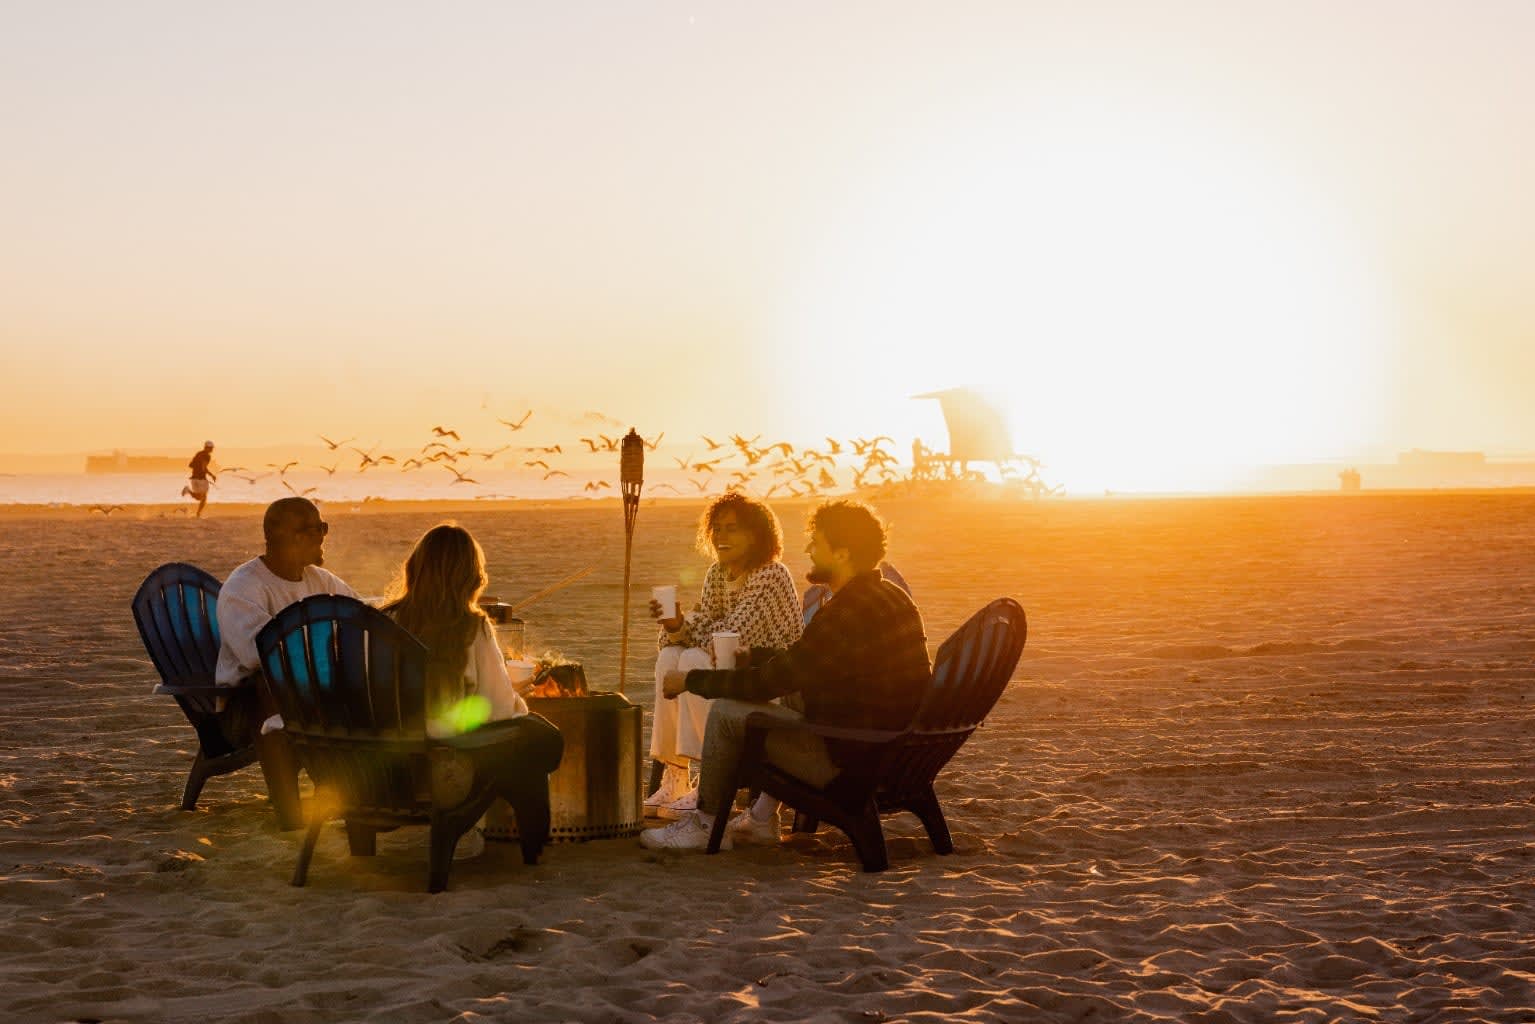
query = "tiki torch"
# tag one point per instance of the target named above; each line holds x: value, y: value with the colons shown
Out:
x: 631, y: 476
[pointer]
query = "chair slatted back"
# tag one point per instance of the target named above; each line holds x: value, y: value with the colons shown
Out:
x: 970, y: 672
x: 176, y: 611
x: 350, y: 684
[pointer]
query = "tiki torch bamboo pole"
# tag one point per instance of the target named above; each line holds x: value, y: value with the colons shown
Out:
x: 631, y: 475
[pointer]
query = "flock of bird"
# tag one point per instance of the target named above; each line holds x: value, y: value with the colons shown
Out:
x: 738, y: 463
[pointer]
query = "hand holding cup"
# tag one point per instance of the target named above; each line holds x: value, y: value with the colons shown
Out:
x: 663, y: 608
x: 723, y: 646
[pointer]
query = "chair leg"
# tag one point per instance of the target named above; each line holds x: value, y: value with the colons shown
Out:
x: 195, y: 779
x: 280, y: 768
x: 445, y: 833
x: 532, y: 811
x: 361, y: 840
x: 306, y: 851
x: 869, y: 841
x: 925, y: 806
x: 717, y: 830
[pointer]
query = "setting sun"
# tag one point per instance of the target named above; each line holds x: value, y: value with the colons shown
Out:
x: 1157, y: 303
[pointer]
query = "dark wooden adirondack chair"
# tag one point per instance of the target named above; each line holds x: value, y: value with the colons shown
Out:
x: 176, y: 610
x: 896, y: 774
x: 350, y: 684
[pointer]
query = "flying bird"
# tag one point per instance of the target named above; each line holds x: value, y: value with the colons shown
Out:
x: 510, y: 424
x: 445, y: 432
x: 107, y: 510
x: 537, y: 462
x: 555, y: 472
x: 283, y: 469
x: 460, y: 478
x: 652, y: 444
x: 333, y: 445
x: 307, y: 490
x: 713, y: 444
x: 329, y: 470
x: 596, y: 485
x: 861, y: 446
x: 590, y: 443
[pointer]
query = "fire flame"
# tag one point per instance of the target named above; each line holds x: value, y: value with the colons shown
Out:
x: 559, y: 680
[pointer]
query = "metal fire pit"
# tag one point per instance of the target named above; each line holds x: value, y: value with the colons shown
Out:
x: 595, y: 792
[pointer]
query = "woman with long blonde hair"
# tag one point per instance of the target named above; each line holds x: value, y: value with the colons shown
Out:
x: 438, y: 593
x: 436, y: 599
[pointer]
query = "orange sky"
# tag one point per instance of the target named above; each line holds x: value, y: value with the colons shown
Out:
x: 1173, y: 244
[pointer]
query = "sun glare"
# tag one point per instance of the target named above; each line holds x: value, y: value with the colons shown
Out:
x: 1156, y: 306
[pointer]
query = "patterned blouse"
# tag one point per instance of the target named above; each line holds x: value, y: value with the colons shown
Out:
x: 763, y: 608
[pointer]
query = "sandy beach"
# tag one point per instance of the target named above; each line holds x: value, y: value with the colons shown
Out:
x: 1263, y: 759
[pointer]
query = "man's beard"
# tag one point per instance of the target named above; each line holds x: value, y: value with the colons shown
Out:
x: 818, y: 574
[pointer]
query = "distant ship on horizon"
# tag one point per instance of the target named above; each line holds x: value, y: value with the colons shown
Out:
x: 121, y: 462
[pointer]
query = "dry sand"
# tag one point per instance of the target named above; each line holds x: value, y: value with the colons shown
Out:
x: 1264, y: 759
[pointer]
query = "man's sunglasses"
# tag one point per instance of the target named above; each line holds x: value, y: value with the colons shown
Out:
x: 322, y: 528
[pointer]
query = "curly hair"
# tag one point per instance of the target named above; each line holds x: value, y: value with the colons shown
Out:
x: 755, y: 516
x: 853, y: 526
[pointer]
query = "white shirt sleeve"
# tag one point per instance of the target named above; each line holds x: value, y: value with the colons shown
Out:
x: 239, y: 622
x: 487, y: 670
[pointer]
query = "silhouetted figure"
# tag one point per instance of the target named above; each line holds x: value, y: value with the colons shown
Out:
x: 197, y: 487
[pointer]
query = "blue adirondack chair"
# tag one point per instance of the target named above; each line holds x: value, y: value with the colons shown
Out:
x: 897, y: 770
x: 350, y: 684
x: 176, y: 611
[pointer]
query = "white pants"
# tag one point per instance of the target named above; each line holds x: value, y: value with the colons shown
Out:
x: 677, y: 728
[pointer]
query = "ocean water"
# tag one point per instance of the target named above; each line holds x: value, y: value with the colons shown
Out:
x: 160, y: 488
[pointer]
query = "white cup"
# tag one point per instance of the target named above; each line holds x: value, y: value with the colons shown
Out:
x: 520, y: 672
x: 725, y: 643
x: 666, y: 597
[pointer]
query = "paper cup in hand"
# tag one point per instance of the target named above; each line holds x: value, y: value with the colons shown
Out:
x: 725, y: 643
x: 666, y: 597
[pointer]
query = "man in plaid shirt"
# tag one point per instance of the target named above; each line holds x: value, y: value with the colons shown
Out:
x: 861, y: 663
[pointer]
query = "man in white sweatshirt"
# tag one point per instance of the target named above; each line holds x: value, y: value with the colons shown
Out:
x: 288, y: 571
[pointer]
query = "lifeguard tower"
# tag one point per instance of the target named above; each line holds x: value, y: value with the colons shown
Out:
x: 977, y: 433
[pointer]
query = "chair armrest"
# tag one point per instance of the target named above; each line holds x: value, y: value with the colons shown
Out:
x: 768, y: 722
x: 198, y: 690
x: 486, y: 735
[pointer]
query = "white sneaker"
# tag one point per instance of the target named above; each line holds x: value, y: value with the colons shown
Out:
x: 685, y: 804
x: 686, y: 833
x: 745, y: 828
x: 470, y: 845
x: 674, y: 784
